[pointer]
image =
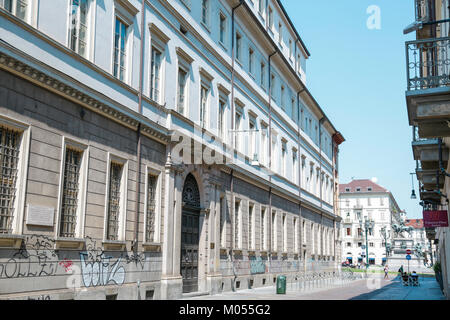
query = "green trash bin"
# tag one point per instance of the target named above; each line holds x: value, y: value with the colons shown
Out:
x: 281, y: 285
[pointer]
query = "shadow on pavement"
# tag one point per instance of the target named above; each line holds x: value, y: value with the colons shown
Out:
x: 367, y: 296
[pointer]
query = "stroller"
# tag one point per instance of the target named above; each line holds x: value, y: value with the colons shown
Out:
x: 414, y: 279
x: 405, y: 279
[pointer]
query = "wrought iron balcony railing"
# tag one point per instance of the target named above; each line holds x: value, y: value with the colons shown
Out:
x: 428, y: 63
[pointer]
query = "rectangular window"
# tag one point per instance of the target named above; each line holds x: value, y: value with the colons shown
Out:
x: 182, y: 75
x: 294, y: 166
x: 16, y: 7
x: 349, y: 231
x: 284, y: 233
x: 280, y: 34
x: 263, y: 229
x: 238, y: 46
x: 270, y: 18
x: 274, y: 231
x: 251, y: 243
x: 251, y: 54
x: 203, y: 105
x: 155, y: 75
x: 263, y: 75
x: 237, y: 135
x: 283, y: 100
x: 69, y: 207
x: 205, y: 12
x: 151, y: 208
x: 252, y: 135
x: 120, y: 53
x: 264, y: 145
x: 221, y: 122
x: 296, y: 234
x: 283, y: 159
x: 9, y: 162
x: 78, y: 26
x: 237, y: 224
x: 222, y: 28
x: 272, y: 85
x: 114, y: 201
x: 222, y: 222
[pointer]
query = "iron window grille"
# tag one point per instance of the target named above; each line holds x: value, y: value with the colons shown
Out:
x: 151, y: 208
x: 236, y: 224
x: 9, y: 159
x: 70, y: 193
x: 114, y: 201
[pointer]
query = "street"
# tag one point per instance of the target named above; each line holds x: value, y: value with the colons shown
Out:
x: 374, y: 288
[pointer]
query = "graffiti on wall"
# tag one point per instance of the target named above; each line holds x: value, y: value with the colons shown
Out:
x: 38, y: 258
x: 257, y: 265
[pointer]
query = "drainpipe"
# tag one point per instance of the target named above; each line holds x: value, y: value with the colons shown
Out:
x: 233, y: 58
x: 270, y: 155
x: 320, y: 157
x: 139, y: 142
x: 299, y: 166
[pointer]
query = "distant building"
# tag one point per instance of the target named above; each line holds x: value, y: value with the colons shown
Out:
x: 365, y: 200
x: 418, y: 234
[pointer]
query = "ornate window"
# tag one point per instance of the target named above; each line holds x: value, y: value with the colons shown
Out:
x: 151, y: 207
x: 9, y: 159
x: 69, y: 206
x: 114, y: 201
x: 191, y: 195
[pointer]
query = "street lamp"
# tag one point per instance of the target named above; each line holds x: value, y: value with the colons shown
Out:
x: 413, y: 193
x: 368, y: 225
x: 386, y: 245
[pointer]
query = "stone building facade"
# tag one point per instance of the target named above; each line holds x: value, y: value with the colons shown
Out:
x: 152, y: 149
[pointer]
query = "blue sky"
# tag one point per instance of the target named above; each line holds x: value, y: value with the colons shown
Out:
x: 358, y: 76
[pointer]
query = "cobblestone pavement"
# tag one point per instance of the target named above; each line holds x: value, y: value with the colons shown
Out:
x: 373, y: 288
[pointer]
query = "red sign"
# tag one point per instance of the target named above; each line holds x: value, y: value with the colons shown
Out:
x: 408, y: 251
x: 434, y: 219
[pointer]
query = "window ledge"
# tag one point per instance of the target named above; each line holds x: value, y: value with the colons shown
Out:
x: 11, y: 241
x: 223, y: 46
x: 252, y: 252
x: 69, y: 243
x: 114, y: 245
x: 237, y: 251
x: 152, y: 246
x: 206, y: 27
x: 224, y: 251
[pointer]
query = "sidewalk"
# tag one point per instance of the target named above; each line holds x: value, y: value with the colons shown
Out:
x: 356, y: 290
x: 428, y: 290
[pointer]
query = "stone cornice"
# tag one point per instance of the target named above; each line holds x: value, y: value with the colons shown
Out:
x: 50, y: 83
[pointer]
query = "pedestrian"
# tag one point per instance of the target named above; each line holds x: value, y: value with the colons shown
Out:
x: 386, y: 270
x: 401, y: 270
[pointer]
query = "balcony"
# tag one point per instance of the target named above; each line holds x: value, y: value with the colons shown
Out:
x: 428, y: 95
x: 347, y: 221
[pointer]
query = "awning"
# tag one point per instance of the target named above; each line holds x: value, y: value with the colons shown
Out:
x: 371, y: 259
x: 383, y: 259
x: 349, y: 258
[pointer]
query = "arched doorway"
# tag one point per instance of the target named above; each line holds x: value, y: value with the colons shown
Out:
x: 190, y: 234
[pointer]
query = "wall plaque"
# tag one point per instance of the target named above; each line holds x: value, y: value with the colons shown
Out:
x: 40, y: 216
